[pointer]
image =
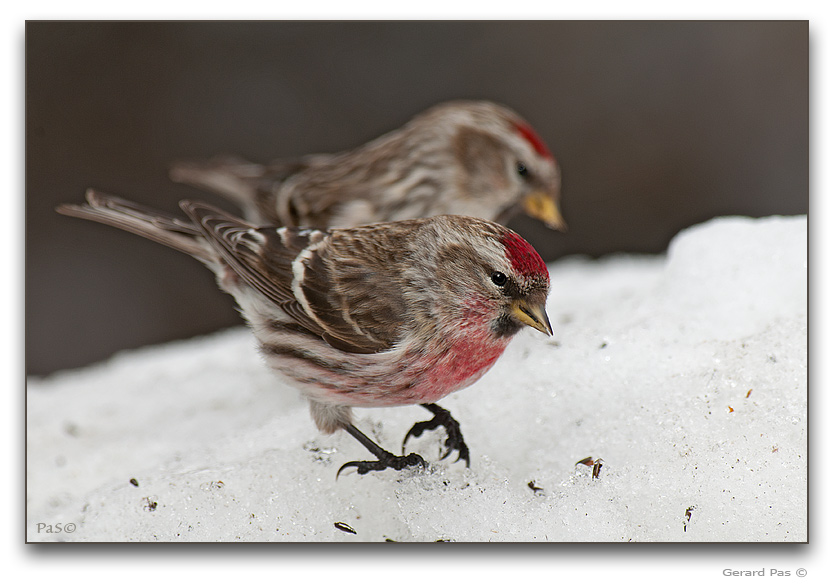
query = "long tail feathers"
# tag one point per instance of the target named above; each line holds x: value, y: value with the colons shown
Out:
x: 178, y: 233
x: 232, y: 178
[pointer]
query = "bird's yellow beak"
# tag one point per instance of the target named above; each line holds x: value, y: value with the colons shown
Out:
x: 541, y: 206
x: 533, y: 316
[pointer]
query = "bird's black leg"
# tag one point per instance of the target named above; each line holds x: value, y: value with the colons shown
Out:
x: 442, y: 417
x: 385, y: 458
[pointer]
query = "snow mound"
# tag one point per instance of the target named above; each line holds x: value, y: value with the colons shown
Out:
x: 685, y: 374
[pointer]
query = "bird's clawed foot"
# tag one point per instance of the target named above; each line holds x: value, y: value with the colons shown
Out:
x: 389, y: 461
x: 384, y: 460
x: 442, y: 417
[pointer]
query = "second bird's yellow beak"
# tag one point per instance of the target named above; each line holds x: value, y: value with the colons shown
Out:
x: 541, y: 206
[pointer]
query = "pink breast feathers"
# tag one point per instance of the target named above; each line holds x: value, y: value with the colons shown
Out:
x: 471, y: 354
x: 465, y: 362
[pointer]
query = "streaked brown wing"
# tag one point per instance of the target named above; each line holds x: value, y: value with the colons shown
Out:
x: 243, y: 248
x: 365, y: 290
x: 344, y: 298
x: 355, y: 307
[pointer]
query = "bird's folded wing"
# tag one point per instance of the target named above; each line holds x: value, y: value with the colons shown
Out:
x: 340, y: 301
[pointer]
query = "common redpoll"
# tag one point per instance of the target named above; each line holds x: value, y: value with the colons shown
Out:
x: 459, y: 158
x: 383, y: 315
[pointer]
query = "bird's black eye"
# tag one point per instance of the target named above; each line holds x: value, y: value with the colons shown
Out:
x: 499, y: 278
x: 521, y: 169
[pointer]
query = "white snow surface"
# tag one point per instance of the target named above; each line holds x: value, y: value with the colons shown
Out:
x: 686, y: 374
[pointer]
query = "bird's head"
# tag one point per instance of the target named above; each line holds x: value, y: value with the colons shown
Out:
x: 488, y: 279
x: 504, y: 166
x: 523, y: 286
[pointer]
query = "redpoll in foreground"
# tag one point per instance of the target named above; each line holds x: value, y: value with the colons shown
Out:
x: 460, y: 158
x: 383, y: 315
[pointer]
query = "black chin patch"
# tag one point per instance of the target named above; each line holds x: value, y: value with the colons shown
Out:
x: 505, y: 326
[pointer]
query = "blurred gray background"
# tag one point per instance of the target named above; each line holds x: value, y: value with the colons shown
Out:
x: 656, y: 125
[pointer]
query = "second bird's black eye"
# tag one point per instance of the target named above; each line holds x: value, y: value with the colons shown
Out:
x: 499, y: 278
x: 521, y: 169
